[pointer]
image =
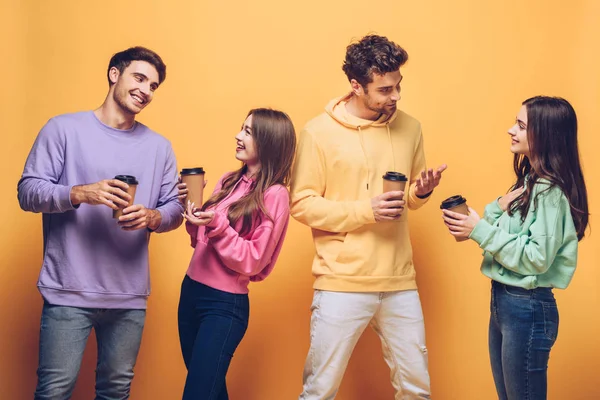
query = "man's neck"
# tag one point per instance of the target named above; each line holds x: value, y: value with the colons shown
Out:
x: 354, y: 107
x: 109, y: 113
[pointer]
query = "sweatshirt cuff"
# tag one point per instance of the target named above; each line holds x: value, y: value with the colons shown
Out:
x: 218, y: 224
x: 414, y: 201
x: 63, y: 194
x: 364, y: 212
x: 481, y: 231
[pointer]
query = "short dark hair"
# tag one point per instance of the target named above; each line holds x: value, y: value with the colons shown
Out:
x: 372, y: 54
x: 121, y: 60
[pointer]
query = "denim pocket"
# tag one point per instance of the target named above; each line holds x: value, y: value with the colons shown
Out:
x: 316, y: 300
x: 550, y: 320
x: 517, y: 291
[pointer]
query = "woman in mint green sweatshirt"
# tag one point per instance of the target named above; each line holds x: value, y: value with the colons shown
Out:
x: 530, y: 238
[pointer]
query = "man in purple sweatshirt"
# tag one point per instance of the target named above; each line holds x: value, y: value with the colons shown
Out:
x: 95, y: 269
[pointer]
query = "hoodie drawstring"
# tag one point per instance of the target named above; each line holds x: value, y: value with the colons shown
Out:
x: 387, y: 125
x: 362, y: 145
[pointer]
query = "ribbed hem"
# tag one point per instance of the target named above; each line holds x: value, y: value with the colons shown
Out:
x: 93, y: 300
x: 342, y: 283
x: 230, y: 284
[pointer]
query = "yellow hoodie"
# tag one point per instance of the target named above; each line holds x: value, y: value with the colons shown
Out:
x: 340, y: 163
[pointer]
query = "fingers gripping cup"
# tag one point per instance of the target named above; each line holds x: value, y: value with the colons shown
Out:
x: 457, y: 204
x: 132, y: 182
x: 194, y: 180
x: 394, y: 181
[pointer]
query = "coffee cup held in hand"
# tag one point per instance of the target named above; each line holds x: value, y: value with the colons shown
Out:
x: 194, y: 180
x: 394, y: 181
x: 132, y: 182
x: 456, y: 204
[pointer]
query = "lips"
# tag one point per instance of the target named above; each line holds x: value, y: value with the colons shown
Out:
x: 141, y: 100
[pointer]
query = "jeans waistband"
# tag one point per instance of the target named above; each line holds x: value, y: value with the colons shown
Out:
x: 539, y: 293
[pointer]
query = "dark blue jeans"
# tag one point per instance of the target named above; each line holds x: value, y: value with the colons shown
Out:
x: 523, y: 329
x: 212, y: 324
x: 64, y: 332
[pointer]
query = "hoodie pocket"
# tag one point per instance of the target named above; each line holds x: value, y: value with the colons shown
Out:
x: 351, y: 258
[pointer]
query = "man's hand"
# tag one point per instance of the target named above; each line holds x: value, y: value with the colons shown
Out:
x: 505, y: 200
x: 388, y: 206
x: 110, y: 192
x: 139, y: 217
x: 429, y: 180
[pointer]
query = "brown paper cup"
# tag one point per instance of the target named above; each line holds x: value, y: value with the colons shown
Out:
x: 133, y: 183
x: 457, y: 204
x: 194, y: 180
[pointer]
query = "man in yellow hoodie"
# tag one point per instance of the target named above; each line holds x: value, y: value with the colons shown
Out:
x: 363, y: 263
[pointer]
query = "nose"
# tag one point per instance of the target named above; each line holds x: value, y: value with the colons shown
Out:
x: 513, y: 130
x: 239, y: 136
x: 396, y: 94
x: 145, y: 89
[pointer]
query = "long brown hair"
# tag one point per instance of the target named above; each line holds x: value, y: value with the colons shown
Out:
x: 275, y: 141
x: 552, y: 138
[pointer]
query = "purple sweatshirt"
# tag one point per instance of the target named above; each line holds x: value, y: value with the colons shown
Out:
x: 88, y: 260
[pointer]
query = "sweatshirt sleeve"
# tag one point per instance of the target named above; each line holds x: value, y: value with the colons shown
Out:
x: 38, y: 189
x: 530, y: 253
x: 309, y: 207
x: 418, y: 165
x: 492, y: 212
x: 250, y: 256
x: 169, y: 206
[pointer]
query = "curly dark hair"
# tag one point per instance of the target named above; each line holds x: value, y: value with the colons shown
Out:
x: 372, y: 54
x: 122, y: 59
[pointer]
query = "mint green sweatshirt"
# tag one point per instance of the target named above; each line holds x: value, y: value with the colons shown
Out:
x: 539, y: 252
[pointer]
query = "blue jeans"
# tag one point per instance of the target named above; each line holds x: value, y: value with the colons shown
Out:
x: 523, y: 329
x: 64, y: 333
x: 211, y: 325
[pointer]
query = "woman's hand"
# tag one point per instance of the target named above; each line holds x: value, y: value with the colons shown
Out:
x: 461, y: 225
x: 505, y: 200
x: 196, y: 217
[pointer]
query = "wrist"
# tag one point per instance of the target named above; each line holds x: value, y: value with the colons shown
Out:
x: 76, y: 195
x: 155, y: 220
x: 424, y: 196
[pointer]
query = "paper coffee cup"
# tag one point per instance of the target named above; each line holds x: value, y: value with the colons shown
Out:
x: 194, y: 180
x: 457, y: 204
x: 394, y: 181
x: 132, y: 182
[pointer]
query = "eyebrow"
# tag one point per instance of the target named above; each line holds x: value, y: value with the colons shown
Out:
x: 389, y: 87
x: 520, y: 122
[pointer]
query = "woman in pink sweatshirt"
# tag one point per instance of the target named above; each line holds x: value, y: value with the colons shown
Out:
x: 236, y: 235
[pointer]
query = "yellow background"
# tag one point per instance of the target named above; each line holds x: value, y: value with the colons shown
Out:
x: 471, y: 64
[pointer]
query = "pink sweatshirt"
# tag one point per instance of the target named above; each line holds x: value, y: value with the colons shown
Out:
x: 225, y: 260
